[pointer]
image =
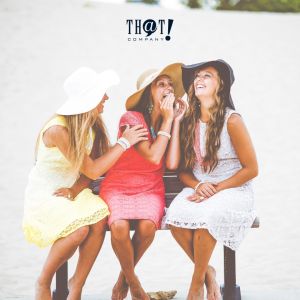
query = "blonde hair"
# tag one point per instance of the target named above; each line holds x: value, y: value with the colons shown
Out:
x: 213, y: 131
x: 78, y: 127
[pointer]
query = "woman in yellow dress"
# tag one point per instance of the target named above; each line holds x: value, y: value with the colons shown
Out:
x: 59, y: 208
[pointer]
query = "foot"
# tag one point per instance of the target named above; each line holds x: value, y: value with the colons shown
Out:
x: 213, y: 289
x: 120, y: 289
x: 42, y: 291
x: 196, y: 295
x: 75, y: 290
x: 137, y: 292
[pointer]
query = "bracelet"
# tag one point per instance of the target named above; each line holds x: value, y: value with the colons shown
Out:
x: 126, y: 142
x: 122, y: 144
x: 198, y: 185
x: 164, y: 133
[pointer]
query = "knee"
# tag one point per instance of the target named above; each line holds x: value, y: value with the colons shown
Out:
x: 146, y: 228
x: 120, y: 230
x: 99, y: 227
x: 80, y: 234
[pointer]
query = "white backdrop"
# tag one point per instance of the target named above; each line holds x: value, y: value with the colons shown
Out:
x: 42, y: 42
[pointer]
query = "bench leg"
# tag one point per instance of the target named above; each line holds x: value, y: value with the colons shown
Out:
x: 229, y: 290
x: 61, y: 292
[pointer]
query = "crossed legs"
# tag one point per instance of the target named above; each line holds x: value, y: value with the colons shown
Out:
x: 129, y: 252
x: 89, y: 239
x: 198, y: 245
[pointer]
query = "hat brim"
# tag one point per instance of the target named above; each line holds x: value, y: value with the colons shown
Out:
x: 220, y: 65
x: 173, y: 71
x: 89, y: 99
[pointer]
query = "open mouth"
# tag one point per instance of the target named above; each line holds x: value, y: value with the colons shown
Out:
x: 200, y: 86
x: 164, y: 96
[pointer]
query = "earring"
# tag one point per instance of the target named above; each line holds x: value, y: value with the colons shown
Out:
x: 150, y: 108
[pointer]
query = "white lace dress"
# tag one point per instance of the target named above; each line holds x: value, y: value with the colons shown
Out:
x: 229, y: 214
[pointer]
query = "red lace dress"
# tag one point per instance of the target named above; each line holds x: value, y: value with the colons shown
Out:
x: 133, y: 188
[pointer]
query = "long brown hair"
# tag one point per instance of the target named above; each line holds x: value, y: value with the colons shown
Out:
x: 78, y: 127
x: 213, y: 131
x: 144, y: 104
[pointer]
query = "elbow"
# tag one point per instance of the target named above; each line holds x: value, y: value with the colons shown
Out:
x: 155, y: 160
x: 171, y: 166
x: 94, y: 175
x: 253, y: 172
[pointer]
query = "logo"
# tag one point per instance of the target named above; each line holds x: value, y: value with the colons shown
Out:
x: 153, y: 30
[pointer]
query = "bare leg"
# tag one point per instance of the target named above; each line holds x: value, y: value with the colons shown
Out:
x: 184, y: 237
x: 204, y: 245
x: 141, y: 240
x: 59, y: 253
x: 88, y: 252
x: 123, y: 248
x: 143, y: 237
x: 213, y: 289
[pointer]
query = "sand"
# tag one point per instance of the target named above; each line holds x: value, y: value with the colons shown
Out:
x: 42, y: 42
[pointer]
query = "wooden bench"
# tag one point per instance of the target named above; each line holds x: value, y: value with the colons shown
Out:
x: 230, y: 290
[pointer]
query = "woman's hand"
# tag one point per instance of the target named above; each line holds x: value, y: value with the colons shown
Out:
x: 207, y: 189
x: 135, y: 134
x: 65, y: 192
x: 197, y: 198
x: 166, y: 107
x: 179, y: 113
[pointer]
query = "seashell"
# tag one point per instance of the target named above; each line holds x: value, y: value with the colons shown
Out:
x: 162, y: 295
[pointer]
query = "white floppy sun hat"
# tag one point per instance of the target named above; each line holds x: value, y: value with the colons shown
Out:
x: 85, y: 89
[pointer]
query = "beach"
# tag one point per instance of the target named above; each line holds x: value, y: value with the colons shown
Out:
x: 43, y: 42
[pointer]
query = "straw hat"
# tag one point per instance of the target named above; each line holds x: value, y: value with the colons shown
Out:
x: 146, y: 78
x: 85, y: 89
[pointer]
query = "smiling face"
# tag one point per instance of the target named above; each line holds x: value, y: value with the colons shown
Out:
x: 100, y: 106
x: 205, y: 83
x: 161, y: 86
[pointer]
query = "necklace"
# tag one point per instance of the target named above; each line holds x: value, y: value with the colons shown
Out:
x: 153, y: 132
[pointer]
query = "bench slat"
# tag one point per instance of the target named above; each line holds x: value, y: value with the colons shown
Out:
x: 169, y: 198
x: 172, y: 185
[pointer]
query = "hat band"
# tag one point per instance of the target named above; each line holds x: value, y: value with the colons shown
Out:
x: 148, y: 80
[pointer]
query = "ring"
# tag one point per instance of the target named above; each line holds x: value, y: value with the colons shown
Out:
x: 202, y: 198
x: 69, y: 197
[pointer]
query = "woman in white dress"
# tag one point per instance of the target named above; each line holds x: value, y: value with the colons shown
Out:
x: 218, y: 163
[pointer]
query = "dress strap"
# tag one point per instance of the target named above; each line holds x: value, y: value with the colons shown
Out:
x: 197, y: 144
x: 229, y: 112
x: 59, y: 120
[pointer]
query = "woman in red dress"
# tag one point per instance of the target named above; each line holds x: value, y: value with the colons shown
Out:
x: 133, y: 188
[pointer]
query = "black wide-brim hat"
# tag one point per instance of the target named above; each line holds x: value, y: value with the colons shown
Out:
x: 223, y: 68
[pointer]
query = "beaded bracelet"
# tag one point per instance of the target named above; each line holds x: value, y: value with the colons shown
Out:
x: 164, y: 133
x: 122, y: 144
x: 126, y: 142
x: 198, y: 185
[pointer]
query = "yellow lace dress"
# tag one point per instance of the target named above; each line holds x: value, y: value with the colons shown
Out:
x: 46, y: 217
